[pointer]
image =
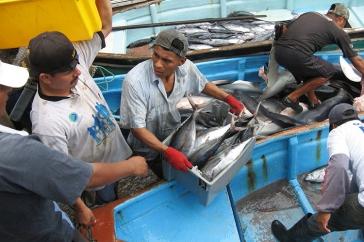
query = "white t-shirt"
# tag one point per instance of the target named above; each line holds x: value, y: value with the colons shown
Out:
x: 81, y: 125
x: 348, y: 140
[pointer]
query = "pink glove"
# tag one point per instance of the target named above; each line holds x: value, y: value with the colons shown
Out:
x: 177, y: 159
x: 236, y: 107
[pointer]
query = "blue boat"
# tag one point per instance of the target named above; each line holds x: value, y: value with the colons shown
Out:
x: 268, y: 187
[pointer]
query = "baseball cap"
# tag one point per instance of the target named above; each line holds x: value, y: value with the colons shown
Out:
x: 173, y: 40
x: 340, y: 10
x: 51, y: 52
x: 13, y: 76
x: 342, y: 113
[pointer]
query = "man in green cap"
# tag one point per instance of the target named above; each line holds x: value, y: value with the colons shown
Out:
x: 309, y: 33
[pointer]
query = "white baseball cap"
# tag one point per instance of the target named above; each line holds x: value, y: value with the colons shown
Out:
x: 13, y: 76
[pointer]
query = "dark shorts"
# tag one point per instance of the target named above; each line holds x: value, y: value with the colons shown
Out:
x: 303, y: 67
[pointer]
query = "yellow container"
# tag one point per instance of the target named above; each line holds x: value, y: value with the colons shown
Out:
x: 21, y: 20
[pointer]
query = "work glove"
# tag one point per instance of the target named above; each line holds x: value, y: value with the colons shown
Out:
x: 177, y: 159
x: 236, y: 107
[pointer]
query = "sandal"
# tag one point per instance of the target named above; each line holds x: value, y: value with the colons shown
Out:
x: 294, y: 105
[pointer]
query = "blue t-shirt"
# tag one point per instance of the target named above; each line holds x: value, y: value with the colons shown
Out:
x: 32, y: 176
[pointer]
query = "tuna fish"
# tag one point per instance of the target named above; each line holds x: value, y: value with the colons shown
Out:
x: 216, y: 164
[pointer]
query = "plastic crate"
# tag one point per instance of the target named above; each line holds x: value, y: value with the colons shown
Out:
x: 22, y: 20
x: 196, y: 183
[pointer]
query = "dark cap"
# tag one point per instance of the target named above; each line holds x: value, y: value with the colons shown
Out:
x: 342, y: 113
x: 51, y: 52
x: 173, y: 40
x: 340, y: 10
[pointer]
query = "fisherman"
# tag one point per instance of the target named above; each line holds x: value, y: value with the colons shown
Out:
x: 69, y: 113
x: 342, y: 204
x: 32, y: 176
x: 150, y: 93
x: 309, y: 33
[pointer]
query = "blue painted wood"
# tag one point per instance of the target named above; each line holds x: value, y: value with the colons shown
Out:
x: 171, y: 213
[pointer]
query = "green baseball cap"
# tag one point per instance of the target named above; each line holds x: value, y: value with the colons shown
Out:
x: 340, y: 10
x: 173, y: 40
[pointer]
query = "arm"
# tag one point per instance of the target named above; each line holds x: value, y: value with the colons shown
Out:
x: 358, y: 63
x: 177, y: 159
x: 107, y: 173
x: 84, y: 215
x: 148, y: 138
x: 336, y: 184
x: 212, y: 90
x: 105, y: 12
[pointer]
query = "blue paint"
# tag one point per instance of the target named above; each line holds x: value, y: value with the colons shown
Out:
x: 236, y: 216
x: 171, y: 213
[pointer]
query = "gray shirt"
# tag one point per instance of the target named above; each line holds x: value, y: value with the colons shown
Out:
x: 32, y: 176
x: 345, y: 171
x: 145, y: 104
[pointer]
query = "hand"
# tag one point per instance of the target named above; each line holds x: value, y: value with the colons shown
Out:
x: 84, y: 215
x: 139, y: 165
x: 322, y: 219
x: 236, y: 107
x: 177, y: 159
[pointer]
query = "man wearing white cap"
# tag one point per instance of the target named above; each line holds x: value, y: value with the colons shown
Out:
x: 33, y: 176
x: 342, y: 204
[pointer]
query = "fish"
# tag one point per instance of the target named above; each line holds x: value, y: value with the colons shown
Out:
x: 211, y: 134
x: 235, y: 27
x: 185, y: 136
x: 199, y: 46
x: 141, y: 42
x: 200, y: 101
x: 217, y: 163
x: 276, y: 80
x: 321, y: 112
x: 242, y: 86
x: 283, y: 121
x: 316, y: 176
x: 200, y: 155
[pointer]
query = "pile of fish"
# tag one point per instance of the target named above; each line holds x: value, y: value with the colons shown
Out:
x: 216, y: 34
x: 211, y: 137
x: 207, y: 139
x: 208, y: 35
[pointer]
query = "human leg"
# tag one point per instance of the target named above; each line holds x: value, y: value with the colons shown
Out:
x: 349, y: 216
x: 302, y: 231
x: 308, y: 87
x: 106, y: 194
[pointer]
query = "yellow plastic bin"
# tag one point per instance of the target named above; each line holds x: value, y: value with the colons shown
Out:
x: 21, y: 20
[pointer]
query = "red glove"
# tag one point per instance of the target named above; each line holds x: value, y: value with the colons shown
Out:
x: 236, y: 107
x: 177, y: 159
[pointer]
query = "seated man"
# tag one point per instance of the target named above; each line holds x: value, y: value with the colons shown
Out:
x: 33, y: 176
x: 342, y: 204
x: 150, y: 93
x: 306, y: 35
